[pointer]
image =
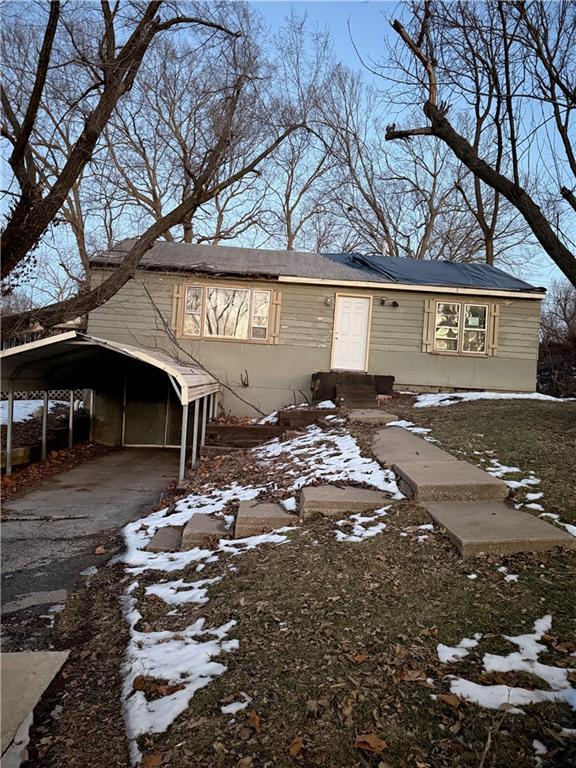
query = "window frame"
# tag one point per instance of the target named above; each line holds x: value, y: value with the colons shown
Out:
x: 460, y: 351
x: 273, y: 310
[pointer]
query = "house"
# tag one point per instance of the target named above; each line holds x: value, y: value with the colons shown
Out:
x: 263, y: 321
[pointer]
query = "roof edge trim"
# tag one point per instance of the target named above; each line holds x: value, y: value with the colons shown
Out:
x: 467, y: 291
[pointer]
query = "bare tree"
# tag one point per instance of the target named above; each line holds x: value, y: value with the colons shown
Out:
x: 109, y: 72
x: 210, y: 170
x: 512, y: 64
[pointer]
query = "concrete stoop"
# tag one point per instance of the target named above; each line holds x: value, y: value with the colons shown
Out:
x: 330, y: 501
x: 496, y: 528
x: 371, y: 416
x: 448, y: 481
x: 254, y: 518
x: 200, y: 529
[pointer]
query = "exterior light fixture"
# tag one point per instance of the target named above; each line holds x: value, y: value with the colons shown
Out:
x: 328, y: 301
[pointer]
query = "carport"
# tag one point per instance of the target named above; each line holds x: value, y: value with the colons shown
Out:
x: 140, y: 397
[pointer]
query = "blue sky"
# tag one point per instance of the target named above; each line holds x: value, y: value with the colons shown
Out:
x: 369, y: 23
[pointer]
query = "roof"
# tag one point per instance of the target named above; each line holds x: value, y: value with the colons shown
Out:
x: 345, y: 267
x: 70, y: 359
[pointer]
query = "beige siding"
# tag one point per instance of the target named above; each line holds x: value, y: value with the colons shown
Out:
x: 280, y: 373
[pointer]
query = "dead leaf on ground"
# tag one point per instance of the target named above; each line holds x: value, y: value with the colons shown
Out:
x: 360, y: 658
x: 151, y: 761
x: 296, y: 746
x: 450, y: 698
x: 254, y: 720
x: 369, y: 742
x: 410, y: 675
x: 100, y: 550
x: 245, y: 762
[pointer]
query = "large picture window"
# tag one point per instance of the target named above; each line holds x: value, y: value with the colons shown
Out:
x: 224, y: 312
x: 461, y: 328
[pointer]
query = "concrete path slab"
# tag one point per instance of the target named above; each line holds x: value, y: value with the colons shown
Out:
x: 496, y: 528
x: 255, y: 518
x: 25, y: 677
x: 371, y: 416
x: 330, y: 501
x: 394, y: 445
x: 52, y: 531
x: 166, y: 539
x: 200, y: 528
x: 448, y: 481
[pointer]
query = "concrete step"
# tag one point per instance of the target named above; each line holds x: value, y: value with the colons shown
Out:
x: 166, y: 539
x: 448, y: 481
x: 494, y: 527
x: 394, y: 445
x: 255, y: 518
x: 371, y: 416
x: 25, y: 676
x: 333, y: 502
x: 218, y: 450
x: 200, y: 529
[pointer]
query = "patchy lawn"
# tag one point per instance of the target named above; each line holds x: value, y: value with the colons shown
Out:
x: 337, y: 663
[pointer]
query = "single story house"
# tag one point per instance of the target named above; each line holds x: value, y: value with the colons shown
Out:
x: 264, y: 321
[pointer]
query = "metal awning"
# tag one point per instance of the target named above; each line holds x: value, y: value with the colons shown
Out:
x: 74, y: 360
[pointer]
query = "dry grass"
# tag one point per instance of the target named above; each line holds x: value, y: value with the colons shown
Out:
x: 331, y: 633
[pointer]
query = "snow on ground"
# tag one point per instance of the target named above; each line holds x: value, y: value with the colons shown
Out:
x: 272, y: 418
x: 184, y: 660
x: 448, y: 654
x: 331, y: 455
x: 360, y: 530
x: 26, y: 409
x: 524, y: 659
x: 556, y: 518
x: 451, y: 398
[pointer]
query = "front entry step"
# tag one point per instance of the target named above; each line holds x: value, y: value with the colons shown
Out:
x: 448, y: 481
x: 254, y: 518
x: 496, y: 528
x: 330, y: 501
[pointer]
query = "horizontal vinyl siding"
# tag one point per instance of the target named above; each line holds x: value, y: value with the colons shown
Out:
x: 280, y: 373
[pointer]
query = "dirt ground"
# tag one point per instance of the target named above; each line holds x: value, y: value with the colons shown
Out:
x: 338, y: 640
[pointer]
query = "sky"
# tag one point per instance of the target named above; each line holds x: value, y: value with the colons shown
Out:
x: 365, y: 25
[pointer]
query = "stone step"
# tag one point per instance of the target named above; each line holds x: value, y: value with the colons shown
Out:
x: 255, y: 518
x: 371, y: 416
x: 496, y: 528
x: 394, y: 445
x: 166, y: 539
x: 330, y: 501
x: 448, y: 481
x: 201, y: 528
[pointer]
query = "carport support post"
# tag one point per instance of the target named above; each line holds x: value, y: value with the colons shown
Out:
x: 205, y: 403
x: 9, y: 431
x: 71, y: 420
x: 183, y: 436
x: 195, y: 432
x: 45, y: 426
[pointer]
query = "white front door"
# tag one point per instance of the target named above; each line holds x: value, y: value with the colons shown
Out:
x: 351, y: 323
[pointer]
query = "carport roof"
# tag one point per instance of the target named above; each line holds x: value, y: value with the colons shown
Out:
x: 69, y: 359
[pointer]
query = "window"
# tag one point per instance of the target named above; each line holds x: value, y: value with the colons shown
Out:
x: 461, y: 328
x: 225, y: 312
x: 260, y: 314
x: 193, y: 310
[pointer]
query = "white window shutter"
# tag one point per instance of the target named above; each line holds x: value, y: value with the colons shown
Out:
x: 428, y: 330
x: 274, y: 318
x: 494, y: 329
x: 175, y: 323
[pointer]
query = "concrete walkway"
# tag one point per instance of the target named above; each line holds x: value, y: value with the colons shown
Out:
x: 464, y: 500
x: 49, y: 534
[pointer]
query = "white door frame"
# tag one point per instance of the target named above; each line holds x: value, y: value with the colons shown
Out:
x: 368, y: 326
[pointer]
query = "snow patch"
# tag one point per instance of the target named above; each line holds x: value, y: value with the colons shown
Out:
x: 451, y: 398
x: 360, y: 529
x: 448, y: 654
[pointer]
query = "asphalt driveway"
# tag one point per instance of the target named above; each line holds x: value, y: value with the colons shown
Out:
x: 49, y: 534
